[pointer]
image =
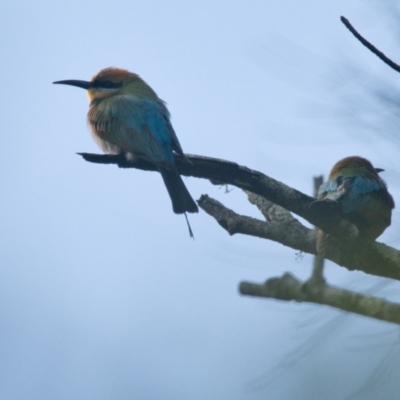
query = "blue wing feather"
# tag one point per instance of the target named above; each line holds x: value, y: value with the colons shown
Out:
x: 351, y: 192
x: 142, y: 128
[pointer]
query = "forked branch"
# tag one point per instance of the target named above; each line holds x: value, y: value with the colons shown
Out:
x: 373, y: 258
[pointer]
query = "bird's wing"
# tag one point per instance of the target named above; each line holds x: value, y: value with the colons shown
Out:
x: 353, y: 192
x: 345, y: 190
x: 362, y: 185
x: 142, y: 129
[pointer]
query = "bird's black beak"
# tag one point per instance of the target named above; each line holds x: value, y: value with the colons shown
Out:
x: 377, y: 170
x: 82, y: 84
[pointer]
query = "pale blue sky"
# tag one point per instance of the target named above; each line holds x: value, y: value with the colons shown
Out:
x: 102, y: 293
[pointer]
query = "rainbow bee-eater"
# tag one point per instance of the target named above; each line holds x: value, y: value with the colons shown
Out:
x: 126, y: 116
x: 360, y: 193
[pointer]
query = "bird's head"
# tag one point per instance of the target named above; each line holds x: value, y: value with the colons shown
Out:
x: 354, y: 165
x: 110, y: 82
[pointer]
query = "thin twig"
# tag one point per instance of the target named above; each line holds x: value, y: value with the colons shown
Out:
x: 370, y: 46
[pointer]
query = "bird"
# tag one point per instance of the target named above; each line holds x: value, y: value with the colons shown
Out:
x: 127, y: 116
x: 360, y: 193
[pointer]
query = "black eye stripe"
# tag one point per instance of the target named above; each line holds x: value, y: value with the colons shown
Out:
x: 107, y: 84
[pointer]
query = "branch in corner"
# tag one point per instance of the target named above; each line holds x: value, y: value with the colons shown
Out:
x: 370, y: 46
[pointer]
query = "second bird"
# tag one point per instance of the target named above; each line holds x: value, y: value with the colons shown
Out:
x: 360, y: 193
x: 126, y: 116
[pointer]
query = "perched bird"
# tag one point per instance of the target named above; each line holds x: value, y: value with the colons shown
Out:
x: 126, y: 116
x: 360, y: 193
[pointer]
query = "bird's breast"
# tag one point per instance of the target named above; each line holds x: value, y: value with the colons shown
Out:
x: 104, y: 127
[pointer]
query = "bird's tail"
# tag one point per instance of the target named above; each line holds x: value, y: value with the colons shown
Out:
x: 182, y: 201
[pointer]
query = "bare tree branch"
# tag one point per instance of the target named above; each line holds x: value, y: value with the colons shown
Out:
x: 289, y: 288
x: 220, y: 171
x: 289, y: 232
x: 375, y: 259
x: 371, y: 257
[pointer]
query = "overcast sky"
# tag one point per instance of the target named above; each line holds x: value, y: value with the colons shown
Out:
x: 102, y: 293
